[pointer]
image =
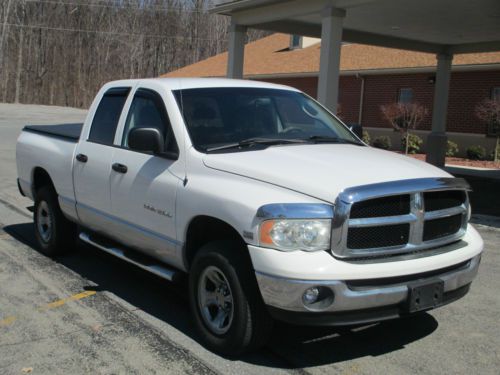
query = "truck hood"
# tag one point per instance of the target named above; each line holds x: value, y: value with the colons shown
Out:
x: 322, y: 170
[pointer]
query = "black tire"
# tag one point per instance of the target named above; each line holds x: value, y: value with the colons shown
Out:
x: 55, y: 235
x: 250, y: 325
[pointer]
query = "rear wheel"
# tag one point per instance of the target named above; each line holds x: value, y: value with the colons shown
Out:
x: 54, y: 233
x: 227, y: 307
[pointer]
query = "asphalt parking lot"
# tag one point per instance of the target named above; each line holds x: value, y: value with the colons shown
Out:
x: 90, y: 313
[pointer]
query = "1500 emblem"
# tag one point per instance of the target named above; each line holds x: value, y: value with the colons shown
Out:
x: 157, y: 210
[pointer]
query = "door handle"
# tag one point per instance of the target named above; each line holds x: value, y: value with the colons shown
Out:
x: 120, y: 168
x: 82, y: 158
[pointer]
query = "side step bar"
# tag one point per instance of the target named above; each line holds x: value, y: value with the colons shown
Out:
x: 156, y: 268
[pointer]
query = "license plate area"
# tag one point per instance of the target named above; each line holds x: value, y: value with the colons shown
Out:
x: 425, y: 295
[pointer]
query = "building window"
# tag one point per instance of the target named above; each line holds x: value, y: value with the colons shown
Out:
x: 405, y: 96
x: 295, y: 41
x: 495, y: 93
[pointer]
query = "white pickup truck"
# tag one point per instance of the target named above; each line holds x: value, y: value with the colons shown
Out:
x: 268, y: 202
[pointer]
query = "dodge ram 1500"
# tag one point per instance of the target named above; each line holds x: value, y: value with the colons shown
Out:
x: 266, y: 201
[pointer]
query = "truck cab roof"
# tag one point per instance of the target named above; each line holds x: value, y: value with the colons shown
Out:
x: 192, y: 83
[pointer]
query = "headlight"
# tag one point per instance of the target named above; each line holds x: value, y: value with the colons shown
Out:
x: 296, y: 234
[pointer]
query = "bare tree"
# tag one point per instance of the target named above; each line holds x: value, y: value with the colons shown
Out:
x: 60, y: 52
x: 3, y: 35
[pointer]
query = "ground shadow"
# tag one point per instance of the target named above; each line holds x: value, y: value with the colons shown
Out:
x: 290, y: 347
x: 484, y: 197
x: 487, y: 220
x: 315, y: 346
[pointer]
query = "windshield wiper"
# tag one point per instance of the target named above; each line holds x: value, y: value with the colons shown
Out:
x: 257, y: 141
x: 280, y: 141
x: 326, y: 139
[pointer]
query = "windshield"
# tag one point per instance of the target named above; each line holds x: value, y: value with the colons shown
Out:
x: 218, y: 117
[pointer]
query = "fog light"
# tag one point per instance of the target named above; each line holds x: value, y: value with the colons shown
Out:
x: 318, y: 298
x: 310, y: 296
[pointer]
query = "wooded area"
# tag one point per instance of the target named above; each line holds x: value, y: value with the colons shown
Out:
x: 59, y: 52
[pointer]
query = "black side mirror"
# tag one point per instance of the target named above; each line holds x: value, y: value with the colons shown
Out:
x: 357, y: 129
x: 146, y: 140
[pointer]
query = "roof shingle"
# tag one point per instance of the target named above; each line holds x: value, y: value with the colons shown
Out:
x: 270, y: 56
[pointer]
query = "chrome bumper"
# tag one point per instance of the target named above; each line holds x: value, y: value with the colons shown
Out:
x: 286, y: 294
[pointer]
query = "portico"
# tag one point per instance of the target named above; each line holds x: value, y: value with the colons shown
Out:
x: 443, y: 27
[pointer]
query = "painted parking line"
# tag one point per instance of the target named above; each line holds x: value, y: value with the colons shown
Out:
x: 52, y: 305
x: 63, y: 301
x: 7, y: 321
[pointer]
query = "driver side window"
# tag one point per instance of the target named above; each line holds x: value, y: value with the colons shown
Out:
x: 148, y: 111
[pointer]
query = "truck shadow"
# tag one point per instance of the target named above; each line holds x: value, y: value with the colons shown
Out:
x: 290, y: 347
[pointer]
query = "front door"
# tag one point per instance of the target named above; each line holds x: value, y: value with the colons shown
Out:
x: 143, y: 187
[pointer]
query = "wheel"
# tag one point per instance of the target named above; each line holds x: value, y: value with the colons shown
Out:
x: 228, y: 310
x: 54, y: 233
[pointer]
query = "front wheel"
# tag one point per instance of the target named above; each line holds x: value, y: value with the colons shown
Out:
x: 227, y: 307
x: 54, y: 233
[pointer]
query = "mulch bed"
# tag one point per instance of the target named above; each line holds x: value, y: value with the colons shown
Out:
x: 464, y: 162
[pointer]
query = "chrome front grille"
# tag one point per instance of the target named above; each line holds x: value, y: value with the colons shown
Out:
x: 379, y: 207
x: 442, y: 227
x: 376, y: 237
x: 399, y: 217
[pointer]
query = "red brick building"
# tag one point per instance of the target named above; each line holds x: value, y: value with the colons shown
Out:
x: 370, y: 77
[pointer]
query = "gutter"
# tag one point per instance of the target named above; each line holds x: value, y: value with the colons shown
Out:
x: 365, y: 72
x: 226, y: 8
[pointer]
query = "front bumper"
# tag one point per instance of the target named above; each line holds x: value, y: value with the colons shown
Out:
x: 360, y: 301
x: 354, y: 317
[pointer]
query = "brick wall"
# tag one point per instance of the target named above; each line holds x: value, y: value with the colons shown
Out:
x: 309, y: 85
x: 467, y: 89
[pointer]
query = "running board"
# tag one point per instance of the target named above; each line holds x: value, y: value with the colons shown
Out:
x: 156, y: 268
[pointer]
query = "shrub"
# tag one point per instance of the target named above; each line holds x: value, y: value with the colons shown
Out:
x: 414, y: 143
x: 403, y: 117
x: 366, y: 137
x: 476, y: 152
x: 451, y: 148
x: 383, y: 142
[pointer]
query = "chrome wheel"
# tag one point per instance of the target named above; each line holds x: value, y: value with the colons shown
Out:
x: 44, y: 221
x: 215, y: 300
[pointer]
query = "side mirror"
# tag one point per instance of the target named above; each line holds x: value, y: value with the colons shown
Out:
x: 146, y: 140
x: 357, y: 129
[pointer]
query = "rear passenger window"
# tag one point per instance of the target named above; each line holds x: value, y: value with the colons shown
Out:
x: 107, y: 115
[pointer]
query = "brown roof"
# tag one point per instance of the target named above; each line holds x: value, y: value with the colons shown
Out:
x: 271, y: 56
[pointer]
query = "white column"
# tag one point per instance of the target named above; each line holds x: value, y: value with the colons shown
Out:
x: 329, y: 68
x: 236, y: 50
x: 436, y: 140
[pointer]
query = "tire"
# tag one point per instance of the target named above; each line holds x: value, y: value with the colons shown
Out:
x: 247, y: 324
x: 55, y: 235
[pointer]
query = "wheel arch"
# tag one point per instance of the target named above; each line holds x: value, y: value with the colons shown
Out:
x: 203, y: 229
x: 39, y: 178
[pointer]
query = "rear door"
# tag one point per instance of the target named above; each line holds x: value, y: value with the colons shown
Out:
x: 143, y: 188
x: 92, y: 167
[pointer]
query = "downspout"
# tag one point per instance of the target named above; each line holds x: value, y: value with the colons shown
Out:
x: 361, y: 97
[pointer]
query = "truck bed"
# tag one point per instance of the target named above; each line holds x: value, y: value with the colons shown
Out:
x: 70, y: 132
x: 51, y: 148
